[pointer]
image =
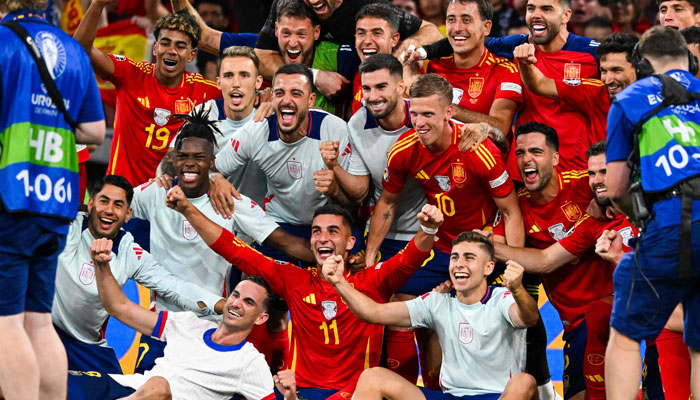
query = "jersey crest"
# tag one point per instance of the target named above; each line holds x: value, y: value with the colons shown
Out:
x: 476, y: 85
x: 188, y: 231
x: 459, y: 173
x: 466, y: 334
x: 87, y: 274
x: 183, y: 106
x: 294, y: 169
x: 457, y: 94
x: 330, y: 309
x: 161, y: 116
x: 443, y: 182
x: 558, y: 232
x: 626, y: 234
x: 572, y: 74
x: 571, y: 211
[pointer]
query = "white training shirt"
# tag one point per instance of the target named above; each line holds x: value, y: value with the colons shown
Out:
x: 178, y: 246
x: 198, y: 368
x: 77, y: 308
x: 481, y: 349
x: 289, y: 167
x: 370, y: 149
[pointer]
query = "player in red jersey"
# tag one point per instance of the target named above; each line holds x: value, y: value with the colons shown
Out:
x: 147, y: 94
x: 329, y: 344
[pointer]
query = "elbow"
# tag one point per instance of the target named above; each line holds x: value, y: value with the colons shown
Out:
x: 532, y: 319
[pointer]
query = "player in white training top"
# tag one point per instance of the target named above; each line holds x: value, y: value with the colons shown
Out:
x: 481, y: 328
x: 203, y: 360
x: 77, y: 312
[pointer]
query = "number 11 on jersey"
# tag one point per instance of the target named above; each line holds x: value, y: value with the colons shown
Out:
x: 332, y: 327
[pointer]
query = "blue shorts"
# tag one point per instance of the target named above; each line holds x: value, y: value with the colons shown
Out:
x: 28, y: 258
x: 574, y: 354
x: 149, y: 350
x: 435, y: 269
x: 89, y: 357
x: 642, y: 308
x: 95, y: 385
x: 309, y: 393
x: 438, y: 395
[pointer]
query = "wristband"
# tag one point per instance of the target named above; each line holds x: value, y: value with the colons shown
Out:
x: 314, y: 72
x: 429, y: 231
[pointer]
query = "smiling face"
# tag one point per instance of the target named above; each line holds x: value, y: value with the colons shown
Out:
x: 108, y: 211
x: 324, y: 8
x: 374, y: 36
x: 430, y: 117
x: 238, y: 81
x: 295, y: 38
x: 678, y: 14
x: 329, y: 236
x: 192, y: 162
x: 469, y: 266
x: 291, y: 98
x: 245, y: 306
x: 596, y: 180
x: 465, y: 28
x: 381, y: 92
x: 535, y: 159
x: 173, y: 50
x: 545, y: 18
x: 616, y: 72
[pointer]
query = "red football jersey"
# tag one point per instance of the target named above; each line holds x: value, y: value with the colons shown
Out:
x: 356, y: 92
x: 477, y: 87
x: 592, y: 96
x: 143, y: 128
x: 462, y: 185
x: 571, y: 124
x: 329, y: 344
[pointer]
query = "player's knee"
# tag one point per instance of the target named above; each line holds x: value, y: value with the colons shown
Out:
x: 621, y: 341
x: 156, y: 388
x: 521, y: 386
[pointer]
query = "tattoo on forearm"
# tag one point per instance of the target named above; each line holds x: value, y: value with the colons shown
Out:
x: 387, y: 215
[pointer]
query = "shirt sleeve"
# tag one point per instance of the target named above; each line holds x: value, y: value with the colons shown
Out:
x: 619, y: 134
x: 250, y: 219
x: 504, y: 300
x: 408, y: 23
x: 396, y: 170
x: 584, y: 236
x: 590, y: 96
x: 504, y: 46
x: 266, y: 38
x: 238, y: 151
x: 256, y: 380
x: 229, y: 39
x: 142, y: 203
x: 419, y: 309
x: 493, y: 170
x: 159, y: 329
x: 344, y: 148
x: 124, y: 69
x: 356, y: 165
x: 510, y: 86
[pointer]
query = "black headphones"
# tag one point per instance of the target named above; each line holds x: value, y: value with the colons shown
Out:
x: 644, y: 69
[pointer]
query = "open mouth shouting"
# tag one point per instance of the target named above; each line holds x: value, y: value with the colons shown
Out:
x: 539, y: 29
x: 287, y: 114
x: 324, y: 252
x: 293, y: 56
x: 530, y: 175
x: 320, y: 8
x: 106, y: 223
x: 460, y: 277
x: 236, y: 98
x: 170, y: 65
x: 369, y: 52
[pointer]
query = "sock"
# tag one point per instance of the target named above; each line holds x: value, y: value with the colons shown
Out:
x: 651, y: 379
x: 674, y: 365
x: 536, y: 357
x: 597, y: 331
x: 431, y: 378
x: 547, y: 391
x: 401, y: 354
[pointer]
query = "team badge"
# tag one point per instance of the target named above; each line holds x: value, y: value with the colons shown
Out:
x: 466, y: 335
x: 183, y: 106
x: 558, y: 232
x: 596, y: 359
x: 443, y: 182
x: 459, y: 174
x: 161, y: 116
x: 626, y: 234
x: 53, y: 52
x: 188, y: 231
x: 294, y: 169
x: 385, y: 175
x: 330, y: 309
x: 476, y: 85
x: 87, y: 274
x: 571, y: 211
x: 572, y: 74
x: 457, y: 94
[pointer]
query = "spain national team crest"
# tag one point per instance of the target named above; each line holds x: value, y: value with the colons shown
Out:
x: 572, y: 74
x: 161, y: 116
x: 87, y: 274
x: 476, y: 85
x: 188, y: 231
x: 466, y: 335
x: 571, y: 211
x: 443, y: 182
x: 330, y: 309
x: 459, y: 173
x: 183, y: 106
x: 295, y: 169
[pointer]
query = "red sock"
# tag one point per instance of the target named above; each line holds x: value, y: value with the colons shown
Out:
x: 401, y: 354
x: 674, y: 364
x: 346, y: 392
x: 278, y: 347
x: 598, y: 331
x: 431, y: 379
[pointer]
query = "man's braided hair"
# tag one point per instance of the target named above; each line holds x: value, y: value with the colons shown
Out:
x: 197, y: 124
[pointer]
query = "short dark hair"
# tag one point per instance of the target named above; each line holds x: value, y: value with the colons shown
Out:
x: 239, y: 51
x: 221, y: 3
x: 378, y: 62
x: 550, y: 135
x: 659, y: 41
x: 114, y: 180
x: 260, y: 281
x: 618, y: 43
x: 296, y: 9
x: 197, y: 125
x: 694, y: 3
x: 180, y: 21
x: 598, y: 22
x: 334, y: 209
x: 567, y: 3
x: 597, y: 149
x: 296, y: 69
x: 475, y: 237
x: 384, y: 11
x: 485, y: 7
x: 430, y: 84
x: 691, y: 34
